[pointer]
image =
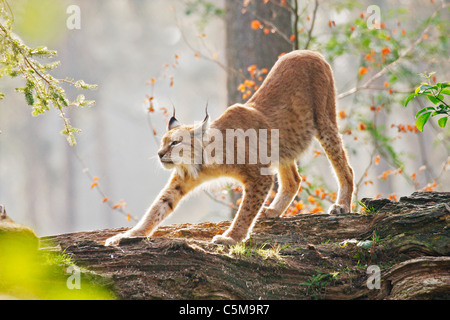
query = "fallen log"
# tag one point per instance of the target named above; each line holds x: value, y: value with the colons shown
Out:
x: 393, y: 250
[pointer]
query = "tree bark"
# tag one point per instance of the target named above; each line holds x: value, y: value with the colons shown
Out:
x: 307, y: 256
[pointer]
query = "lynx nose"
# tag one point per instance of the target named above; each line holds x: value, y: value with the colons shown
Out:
x: 161, y: 154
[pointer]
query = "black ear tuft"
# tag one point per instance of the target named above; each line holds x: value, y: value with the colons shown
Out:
x: 173, y: 123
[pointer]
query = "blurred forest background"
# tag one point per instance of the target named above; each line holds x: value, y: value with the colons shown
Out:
x: 147, y: 55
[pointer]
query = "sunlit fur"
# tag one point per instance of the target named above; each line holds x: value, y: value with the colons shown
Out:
x: 297, y: 98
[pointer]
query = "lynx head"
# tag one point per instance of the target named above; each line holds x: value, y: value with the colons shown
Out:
x: 181, y: 146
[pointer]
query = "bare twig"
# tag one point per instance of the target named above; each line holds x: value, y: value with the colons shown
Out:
x: 227, y: 204
x: 201, y: 55
x: 285, y: 37
x: 296, y: 17
x: 99, y: 189
x: 388, y: 67
x: 308, y: 41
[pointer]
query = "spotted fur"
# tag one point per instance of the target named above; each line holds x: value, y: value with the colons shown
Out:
x: 297, y: 98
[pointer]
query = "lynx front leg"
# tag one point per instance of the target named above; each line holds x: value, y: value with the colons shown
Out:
x: 255, y: 193
x: 163, y: 205
x: 289, y: 182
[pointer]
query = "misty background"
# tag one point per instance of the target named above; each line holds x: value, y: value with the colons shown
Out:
x: 121, y: 46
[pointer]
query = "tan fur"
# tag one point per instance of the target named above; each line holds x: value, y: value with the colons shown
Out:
x: 298, y: 99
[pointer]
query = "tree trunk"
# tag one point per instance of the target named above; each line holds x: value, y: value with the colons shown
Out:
x: 246, y: 46
x: 307, y: 256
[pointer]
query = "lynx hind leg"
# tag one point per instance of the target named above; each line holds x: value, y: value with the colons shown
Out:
x: 254, y: 196
x: 331, y: 142
x: 289, y: 183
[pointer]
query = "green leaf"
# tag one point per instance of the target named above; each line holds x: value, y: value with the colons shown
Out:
x: 420, y: 122
x: 446, y: 91
x: 442, y: 122
x: 432, y: 98
x: 424, y: 87
x: 29, y: 97
x: 410, y: 97
x: 423, y: 110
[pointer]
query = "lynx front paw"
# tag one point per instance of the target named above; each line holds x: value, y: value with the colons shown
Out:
x: 115, y: 240
x: 221, y: 239
x: 337, y: 209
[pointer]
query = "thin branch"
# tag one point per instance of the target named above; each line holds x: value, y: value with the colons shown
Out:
x: 229, y: 205
x: 273, y: 27
x: 308, y: 41
x: 296, y: 17
x: 201, y: 55
x: 388, y: 67
x: 99, y: 189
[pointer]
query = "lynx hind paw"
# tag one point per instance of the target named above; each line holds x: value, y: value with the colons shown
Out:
x: 267, y: 212
x: 223, y: 240
x: 337, y: 209
x: 115, y: 240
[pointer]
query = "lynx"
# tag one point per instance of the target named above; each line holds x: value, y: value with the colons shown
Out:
x: 296, y: 102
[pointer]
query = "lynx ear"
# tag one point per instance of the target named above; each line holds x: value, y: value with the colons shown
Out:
x: 173, y: 122
x: 205, y: 123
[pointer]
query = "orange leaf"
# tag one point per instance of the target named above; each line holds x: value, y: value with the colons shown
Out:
x: 94, y: 185
x: 393, y: 197
x: 342, y: 114
x: 362, y: 70
x: 121, y: 204
x: 311, y: 199
x: 251, y: 69
x: 385, y: 51
x: 317, y: 209
x: 385, y: 174
x: 377, y: 160
x: 105, y: 199
x: 255, y: 24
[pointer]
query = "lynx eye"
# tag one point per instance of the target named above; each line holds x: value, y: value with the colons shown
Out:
x: 174, y: 143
